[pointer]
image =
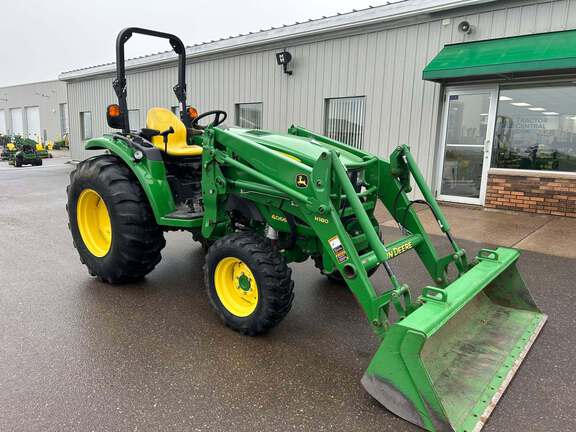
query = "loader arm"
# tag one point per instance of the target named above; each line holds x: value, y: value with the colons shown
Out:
x: 270, y: 174
x: 427, y: 368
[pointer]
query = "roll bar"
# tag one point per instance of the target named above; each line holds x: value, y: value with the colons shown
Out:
x: 119, y: 83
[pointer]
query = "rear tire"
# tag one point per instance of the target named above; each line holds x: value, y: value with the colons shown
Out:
x: 264, y: 298
x: 129, y: 245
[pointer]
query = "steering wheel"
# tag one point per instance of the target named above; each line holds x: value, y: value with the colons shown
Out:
x: 220, y: 117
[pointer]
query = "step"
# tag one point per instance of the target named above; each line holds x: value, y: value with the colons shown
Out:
x: 184, y: 214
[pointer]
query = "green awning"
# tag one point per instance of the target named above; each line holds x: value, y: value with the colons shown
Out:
x: 538, y: 54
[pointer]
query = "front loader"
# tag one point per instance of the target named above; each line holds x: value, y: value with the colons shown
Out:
x: 258, y: 200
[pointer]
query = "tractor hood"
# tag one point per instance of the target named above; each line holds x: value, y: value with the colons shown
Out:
x: 306, y: 150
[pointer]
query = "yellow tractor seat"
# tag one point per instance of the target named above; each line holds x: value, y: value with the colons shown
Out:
x: 161, y: 119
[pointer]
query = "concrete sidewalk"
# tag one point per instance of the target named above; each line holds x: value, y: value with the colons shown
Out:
x: 551, y: 235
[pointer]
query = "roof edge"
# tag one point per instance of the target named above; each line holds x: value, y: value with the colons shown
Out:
x: 56, y: 80
x: 373, y: 15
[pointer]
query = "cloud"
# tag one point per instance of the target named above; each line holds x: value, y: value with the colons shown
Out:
x: 43, y: 38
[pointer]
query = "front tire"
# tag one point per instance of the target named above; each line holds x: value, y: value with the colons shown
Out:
x: 248, y: 282
x: 111, y: 222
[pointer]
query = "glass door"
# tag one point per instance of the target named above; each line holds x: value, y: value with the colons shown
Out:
x: 468, y: 128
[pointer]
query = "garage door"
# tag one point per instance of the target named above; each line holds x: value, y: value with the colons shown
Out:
x: 17, y: 123
x: 2, y: 122
x: 33, y: 122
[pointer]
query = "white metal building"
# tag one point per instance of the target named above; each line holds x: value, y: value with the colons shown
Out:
x: 503, y: 136
x: 37, y: 110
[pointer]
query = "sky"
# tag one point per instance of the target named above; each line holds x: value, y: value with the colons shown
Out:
x: 42, y: 38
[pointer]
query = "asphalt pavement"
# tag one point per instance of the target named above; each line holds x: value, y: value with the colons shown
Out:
x: 79, y: 355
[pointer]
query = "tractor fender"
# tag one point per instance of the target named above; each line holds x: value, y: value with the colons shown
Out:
x: 150, y: 173
x: 245, y: 207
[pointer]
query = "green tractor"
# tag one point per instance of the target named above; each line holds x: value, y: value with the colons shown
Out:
x: 25, y: 154
x: 258, y: 200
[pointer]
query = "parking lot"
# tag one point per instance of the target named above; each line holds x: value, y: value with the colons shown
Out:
x: 79, y: 355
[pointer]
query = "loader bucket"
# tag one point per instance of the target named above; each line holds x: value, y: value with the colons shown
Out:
x: 445, y: 366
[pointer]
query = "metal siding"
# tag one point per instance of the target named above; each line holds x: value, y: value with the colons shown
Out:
x: 47, y: 96
x: 384, y: 66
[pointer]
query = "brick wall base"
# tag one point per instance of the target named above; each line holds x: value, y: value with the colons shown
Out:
x: 533, y: 194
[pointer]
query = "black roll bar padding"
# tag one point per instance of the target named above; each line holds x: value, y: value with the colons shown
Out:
x: 119, y: 83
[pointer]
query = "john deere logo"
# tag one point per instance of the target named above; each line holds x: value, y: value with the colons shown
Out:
x: 302, y: 180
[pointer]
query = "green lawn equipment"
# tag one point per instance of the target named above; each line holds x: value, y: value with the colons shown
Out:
x: 41, y: 151
x: 8, y: 151
x: 60, y: 144
x: 25, y: 154
x: 8, y: 147
x: 18, y: 143
x: 259, y: 200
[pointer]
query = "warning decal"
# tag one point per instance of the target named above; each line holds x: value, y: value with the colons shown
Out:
x: 338, y: 249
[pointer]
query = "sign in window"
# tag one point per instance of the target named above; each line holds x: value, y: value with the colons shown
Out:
x: 536, y: 128
x: 344, y: 120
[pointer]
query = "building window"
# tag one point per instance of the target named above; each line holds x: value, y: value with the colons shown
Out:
x: 2, y: 122
x: 17, y: 121
x: 86, y: 125
x: 536, y: 128
x: 249, y: 115
x: 33, y: 123
x: 134, y: 119
x: 344, y: 120
x: 63, y: 118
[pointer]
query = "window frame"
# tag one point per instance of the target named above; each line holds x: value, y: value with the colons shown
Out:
x: 237, y: 107
x: 64, y: 119
x: 362, y: 119
x: 83, y: 135
x: 520, y: 171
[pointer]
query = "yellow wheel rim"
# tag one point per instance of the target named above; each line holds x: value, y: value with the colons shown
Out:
x: 236, y: 286
x: 94, y: 222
